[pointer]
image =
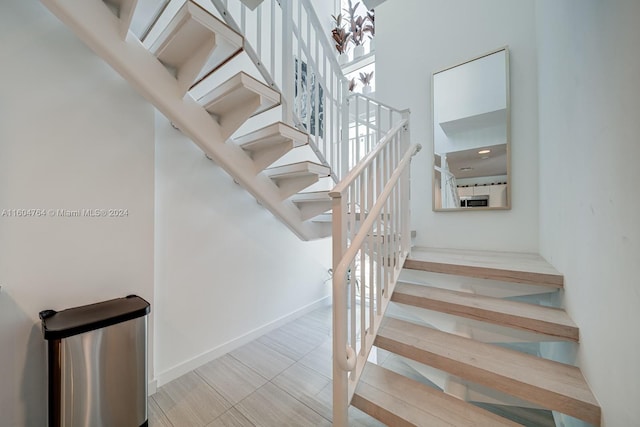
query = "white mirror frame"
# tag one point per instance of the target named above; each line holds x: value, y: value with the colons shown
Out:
x: 508, y: 136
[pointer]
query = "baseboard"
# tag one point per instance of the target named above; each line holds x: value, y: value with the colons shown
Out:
x: 152, y: 387
x: 191, y: 364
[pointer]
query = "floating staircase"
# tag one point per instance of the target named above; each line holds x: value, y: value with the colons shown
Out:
x: 175, y: 67
x: 270, y: 143
x: 453, y: 285
x: 191, y: 43
x: 237, y: 99
x: 295, y: 177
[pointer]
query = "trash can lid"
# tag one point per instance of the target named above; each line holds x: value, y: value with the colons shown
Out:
x: 73, y: 321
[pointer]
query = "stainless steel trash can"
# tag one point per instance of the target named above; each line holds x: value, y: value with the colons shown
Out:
x: 97, y: 364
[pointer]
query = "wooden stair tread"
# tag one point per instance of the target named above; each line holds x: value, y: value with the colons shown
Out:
x: 192, y: 41
x: 503, y: 266
x: 295, y: 177
x: 268, y: 144
x: 312, y: 197
x: 397, y: 400
x: 312, y: 204
x: 270, y: 135
x: 552, y: 385
x: 297, y: 169
x: 236, y: 92
x: 534, y: 318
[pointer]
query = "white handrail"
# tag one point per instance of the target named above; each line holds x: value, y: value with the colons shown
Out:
x: 320, y: 88
x: 366, y: 144
x: 343, y: 127
x: 294, y: 55
x: 315, y: 22
x: 366, y: 161
x: 356, y: 243
x: 371, y: 239
x: 368, y: 121
x: 387, y: 106
x: 267, y: 68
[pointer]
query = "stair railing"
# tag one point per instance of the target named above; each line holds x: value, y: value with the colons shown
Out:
x: 368, y: 120
x: 371, y: 240
x: 288, y: 45
x: 262, y: 29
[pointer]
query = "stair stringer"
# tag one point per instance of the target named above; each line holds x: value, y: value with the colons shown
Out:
x: 96, y: 26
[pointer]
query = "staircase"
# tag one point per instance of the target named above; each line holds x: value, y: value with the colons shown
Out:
x: 176, y: 54
x: 449, y: 301
x: 176, y: 65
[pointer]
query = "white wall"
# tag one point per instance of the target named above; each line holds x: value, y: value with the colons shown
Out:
x: 73, y: 135
x: 324, y: 9
x: 589, y: 175
x: 415, y: 38
x: 226, y: 269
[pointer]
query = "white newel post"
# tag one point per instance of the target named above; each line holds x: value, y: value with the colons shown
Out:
x: 340, y: 376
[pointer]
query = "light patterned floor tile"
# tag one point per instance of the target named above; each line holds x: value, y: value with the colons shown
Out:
x: 190, y: 402
x: 270, y: 406
x: 298, y: 395
x: 320, y: 359
x: 156, y: 417
x: 357, y: 418
x: 306, y: 331
x: 231, y: 418
x: 231, y: 378
x: 318, y: 321
x: 262, y: 359
x: 285, y: 343
x: 305, y: 384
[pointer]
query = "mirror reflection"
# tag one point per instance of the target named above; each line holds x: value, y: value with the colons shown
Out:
x: 471, y: 134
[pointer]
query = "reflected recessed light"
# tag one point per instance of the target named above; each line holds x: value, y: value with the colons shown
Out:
x: 484, y: 157
x: 484, y: 151
x: 466, y: 168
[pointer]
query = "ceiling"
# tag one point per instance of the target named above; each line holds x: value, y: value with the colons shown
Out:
x: 493, y: 163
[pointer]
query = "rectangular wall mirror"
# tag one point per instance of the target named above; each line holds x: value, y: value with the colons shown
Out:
x: 471, y: 134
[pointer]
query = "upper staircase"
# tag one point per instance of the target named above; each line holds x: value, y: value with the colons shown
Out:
x: 175, y: 61
x: 460, y: 375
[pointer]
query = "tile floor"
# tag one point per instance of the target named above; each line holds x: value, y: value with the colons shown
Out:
x: 281, y: 379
